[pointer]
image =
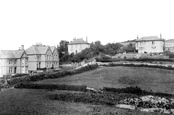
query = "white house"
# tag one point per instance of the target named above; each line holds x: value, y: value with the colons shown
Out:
x: 13, y: 62
x: 77, y: 45
x: 150, y: 44
x: 169, y: 45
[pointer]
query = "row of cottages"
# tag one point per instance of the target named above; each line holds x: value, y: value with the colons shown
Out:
x: 150, y: 44
x: 32, y: 59
x: 12, y: 62
x: 77, y: 45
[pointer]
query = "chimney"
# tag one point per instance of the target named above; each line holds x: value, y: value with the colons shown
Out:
x: 86, y: 39
x: 137, y: 37
x: 22, y: 47
x: 160, y: 35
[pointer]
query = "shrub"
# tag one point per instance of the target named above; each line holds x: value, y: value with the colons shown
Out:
x: 19, y: 75
x: 135, y: 90
x: 52, y: 75
x: 51, y: 86
x: 141, y: 65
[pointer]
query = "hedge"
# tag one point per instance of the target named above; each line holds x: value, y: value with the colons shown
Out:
x: 42, y: 76
x: 135, y: 90
x: 169, y: 67
x: 19, y: 75
x: 143, y: 59
x: 86, y: 97
x: 51, y: 86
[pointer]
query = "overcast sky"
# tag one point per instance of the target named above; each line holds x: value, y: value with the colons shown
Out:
x: 49, y: 21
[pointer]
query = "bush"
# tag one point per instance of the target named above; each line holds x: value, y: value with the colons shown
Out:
x: 92, y: 98
x: 133, y: 59
x: 19, y: 75
x: 51, y: 86
x: 140, y: 65
x: 135, y: 90
x: 52, y: 75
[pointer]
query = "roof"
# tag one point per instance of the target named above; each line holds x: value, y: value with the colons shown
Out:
x: 170, y: 41
x: 38, y: 49
x: 52, y: 48
x: 11, y: 53
x: 78, y: 41
x: 42, y: 49
x: 150, y: 38
x: 32, y: 50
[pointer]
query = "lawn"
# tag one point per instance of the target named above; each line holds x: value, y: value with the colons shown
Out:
x: 157, y: 80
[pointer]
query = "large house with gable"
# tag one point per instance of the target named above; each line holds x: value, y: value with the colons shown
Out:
x: 13, y: 62
x: 77, y: 45
x: 42, y: 56
x: 150, y: 44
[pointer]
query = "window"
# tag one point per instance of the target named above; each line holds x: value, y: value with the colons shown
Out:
x: 153, y: 42
x: 10, y: 62
x: 10, y: 69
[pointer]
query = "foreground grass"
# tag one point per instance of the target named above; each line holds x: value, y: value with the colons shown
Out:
x: 157, y: 80
x: 36, y: 102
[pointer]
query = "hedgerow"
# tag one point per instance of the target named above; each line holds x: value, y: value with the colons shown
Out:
x: 135, y: 90
x: 169, y: 67
x: 51, y: 86
x: 52, y: 75
x: 133, y: 59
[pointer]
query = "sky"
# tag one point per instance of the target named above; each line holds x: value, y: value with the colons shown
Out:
x: 27, y: 22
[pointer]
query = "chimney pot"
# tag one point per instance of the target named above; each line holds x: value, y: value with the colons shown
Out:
x: 22, y: 47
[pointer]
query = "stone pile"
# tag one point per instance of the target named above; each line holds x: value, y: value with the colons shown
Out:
x: 149, y: 103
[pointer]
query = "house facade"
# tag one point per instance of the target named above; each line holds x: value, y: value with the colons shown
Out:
x: 42, y: 56
x: 169, y: 45
x: 150, y: 44
x: 77, y: 45
x: 13, y: 62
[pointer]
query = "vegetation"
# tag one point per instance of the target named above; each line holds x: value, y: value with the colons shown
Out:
x: 149, y: 79
x: 51, y: 86
x: 53, y: 75
x: 170, y: 54
x: 95, y: 49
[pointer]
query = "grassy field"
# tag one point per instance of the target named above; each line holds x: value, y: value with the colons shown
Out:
x: 157, y: 80
x: 36, y: 101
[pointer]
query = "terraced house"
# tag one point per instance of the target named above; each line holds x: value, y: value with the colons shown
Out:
x: 13, y: 62
x: 42, y: 56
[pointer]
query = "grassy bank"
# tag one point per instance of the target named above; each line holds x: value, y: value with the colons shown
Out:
x: 157, y: 80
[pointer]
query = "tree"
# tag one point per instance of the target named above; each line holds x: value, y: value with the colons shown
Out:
x: 129, y: 48
x: 63, y: 50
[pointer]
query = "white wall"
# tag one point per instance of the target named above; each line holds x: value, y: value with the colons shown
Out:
x: 73, y: 48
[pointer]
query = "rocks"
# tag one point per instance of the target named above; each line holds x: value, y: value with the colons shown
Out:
x: 149, y: 103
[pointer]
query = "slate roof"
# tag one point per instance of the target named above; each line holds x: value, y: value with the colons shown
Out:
x: 42, y: 49
x: 11, y: 53
x: 170, y: 41
x: 150, y: 38
x: 78, y: 41
x: 38, y: 49
x: 52, y: 48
